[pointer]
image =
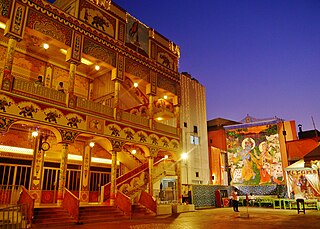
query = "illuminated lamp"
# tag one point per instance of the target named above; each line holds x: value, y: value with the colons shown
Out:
x: 165, y: 96
x: 135, y: 84
x: 45, y: 46
x: 134, y: 151
x: 97, y: 67
x: 35, y: 134
x: 166, y: 156
x: 91, y: 144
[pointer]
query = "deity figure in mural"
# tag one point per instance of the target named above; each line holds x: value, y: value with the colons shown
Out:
x: 264, y: 162
x: 248, y: 145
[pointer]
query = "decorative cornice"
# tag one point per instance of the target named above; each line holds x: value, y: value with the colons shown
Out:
x: 70, y: 21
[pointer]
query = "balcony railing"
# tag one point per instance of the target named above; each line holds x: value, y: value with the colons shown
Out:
x: 41, y: 92
x: 135, y: 119
x: 166, y: 128
x: 30, y: 89
x: 95, y: 107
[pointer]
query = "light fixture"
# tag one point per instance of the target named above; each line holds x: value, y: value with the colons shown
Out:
x: 35, y: 134
x: 83, y: 60
x: 45, y: 46
x: 165, y: 96
x: 166, y: 156
x: 2, y: 25
x: 91, y: 144
x: 159, y: 118
x: 97, y: 67
x: 134, y: 151
x: 135, y: 84
x: 184, y: 156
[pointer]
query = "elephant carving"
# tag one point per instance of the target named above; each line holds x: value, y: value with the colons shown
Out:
x: 99, y: 22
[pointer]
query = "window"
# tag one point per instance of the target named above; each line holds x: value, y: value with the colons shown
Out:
x: 185, y: 124
x: 210, y: 141
x: 197, y: 174
x: 195, y: 129
x: 194, y: 140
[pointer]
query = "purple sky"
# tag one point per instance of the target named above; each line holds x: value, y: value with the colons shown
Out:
x: 254, y: 57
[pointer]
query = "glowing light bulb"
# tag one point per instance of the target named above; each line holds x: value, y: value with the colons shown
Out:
x: 45, y: 46
x: 97, y: 67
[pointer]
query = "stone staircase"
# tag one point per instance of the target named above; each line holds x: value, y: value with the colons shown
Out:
x: 139, y: 211
x: 51, y: 217
x: 94, y: 214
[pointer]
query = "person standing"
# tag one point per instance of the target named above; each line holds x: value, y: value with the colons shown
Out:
x: 235, y: 200
x: 60, y: 87
x: 39, y: 81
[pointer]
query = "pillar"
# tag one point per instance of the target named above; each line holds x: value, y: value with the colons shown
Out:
x: 151, y: 110
x: 85, y: 175
x: 7, y: 79
x: 113, y: 178
x: 178, y: 172
x: 150, y: 184
x: 63, y: 173
x: 176, y: 105
x: 37, y: 168
x: 116, y: 98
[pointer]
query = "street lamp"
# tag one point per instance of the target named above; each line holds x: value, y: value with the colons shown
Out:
x: 184, y: 157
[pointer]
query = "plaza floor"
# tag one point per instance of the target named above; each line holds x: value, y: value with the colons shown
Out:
x: 220, y: 218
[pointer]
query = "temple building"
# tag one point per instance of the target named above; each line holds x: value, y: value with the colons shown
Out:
x: 93, y: 108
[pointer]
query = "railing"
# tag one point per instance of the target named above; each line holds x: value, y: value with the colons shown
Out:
x: 13, y: 217
x: 71, y: 203
x: 95, y: 107
x: 33, y: 89
x: 147, y: 200
x: 123, y: 202
x: 165, y: 128
x: 106, y: 188
x: 135, y: 119
x: 27, y: 200
x: 9, y: 194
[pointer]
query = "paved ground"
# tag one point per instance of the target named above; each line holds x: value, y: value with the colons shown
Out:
x: 221, y: 218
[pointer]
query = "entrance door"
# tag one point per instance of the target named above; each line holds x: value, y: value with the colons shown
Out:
x: 50, y: 185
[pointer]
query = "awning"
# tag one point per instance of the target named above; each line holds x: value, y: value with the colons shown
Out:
x: 299, y: 148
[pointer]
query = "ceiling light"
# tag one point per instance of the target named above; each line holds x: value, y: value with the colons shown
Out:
x: 165, y: 97
x: 2, y: 25
x: 45, y: 46
x: 91, y: 144
x: 134, y: 151
x: 166, y: 156
x: 135, y: 84
x: 97, y: 67
x: 35, y: 134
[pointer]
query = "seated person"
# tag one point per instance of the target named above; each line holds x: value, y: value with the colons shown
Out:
x: 60, y: 87
x: 39, y: 81
x: 252, y: 199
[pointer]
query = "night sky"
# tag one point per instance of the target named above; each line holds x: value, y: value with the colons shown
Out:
x: 254, y: 57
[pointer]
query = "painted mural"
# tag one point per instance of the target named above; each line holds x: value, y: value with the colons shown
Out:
x: 254, y: 155
x: 93, y: 16
x: 137, y: 36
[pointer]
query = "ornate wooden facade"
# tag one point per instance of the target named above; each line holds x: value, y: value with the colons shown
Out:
x: 131, y: 103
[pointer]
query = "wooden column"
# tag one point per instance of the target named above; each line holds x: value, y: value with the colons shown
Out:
x: 113, y: 177
x: 85, y: 175
x: 7, y: 78
x: 37, y: 168
x: 150, y: 184
x: 63, y: 173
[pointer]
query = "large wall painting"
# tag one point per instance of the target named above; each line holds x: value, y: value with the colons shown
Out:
x: 137, y: 36
x: 101, y: 21
x: 254, y: 155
